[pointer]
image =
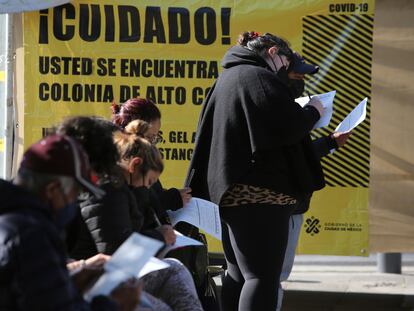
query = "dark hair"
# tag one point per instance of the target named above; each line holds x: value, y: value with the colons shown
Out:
x: 131, y: 144
x: 133, y: 109
x: 95, y: 136
x: 259, y: 43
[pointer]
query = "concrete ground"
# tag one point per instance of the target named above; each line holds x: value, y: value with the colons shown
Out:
x: 330, y: 283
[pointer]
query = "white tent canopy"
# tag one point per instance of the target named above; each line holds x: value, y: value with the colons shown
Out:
x: 15, y: 6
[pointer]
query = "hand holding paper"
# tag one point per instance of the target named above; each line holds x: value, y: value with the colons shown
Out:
x: 126, y: 263
x: 181, y: 241
x: 353, y: 119
x: 327, y: 103
x: 200, y: 213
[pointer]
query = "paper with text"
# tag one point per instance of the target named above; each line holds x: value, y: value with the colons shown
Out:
x: 126, y: 262
x: 327, y: 103
x: 200, y: 213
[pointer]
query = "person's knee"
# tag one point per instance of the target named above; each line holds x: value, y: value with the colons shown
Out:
x: 234, y: 273
x: 262, y: 283
x: 176, y: 266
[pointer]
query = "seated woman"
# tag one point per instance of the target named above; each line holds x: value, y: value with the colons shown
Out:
x: 107, y: 222
x: 145, y: 110
x: 150, y: 165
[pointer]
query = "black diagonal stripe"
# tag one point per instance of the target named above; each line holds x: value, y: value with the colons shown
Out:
x: 339, y: 179
x: 346, y: 41
x: 345, y: 177
x: 361, y: 135
x: 358, y: 150
x: 342, y: 77
x: 352, y: 169
x: 337, y: 21
x: 344, y: 156
x: 313, y: 57
x: 363, y: 27
x: 366, y: 124
x: 360, y: 139
x: 351, y: 165
x: 345, y: 162
x: 345, y: 47
x: 344, y: 97
x: 331, y: 184
x: 335, y: 61
x: 359, y: 39
x: 369, y: 18
x: 342, y: 80
x: 335, y: 27
x: 363, y: 162
x: 334, y: 180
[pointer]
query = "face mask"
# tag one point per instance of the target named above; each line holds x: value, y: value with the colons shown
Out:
x: 297, y: 87
x: 66, y: 214
x: 283, y: 75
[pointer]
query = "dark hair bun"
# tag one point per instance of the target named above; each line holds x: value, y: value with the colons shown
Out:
x: 246, y: 37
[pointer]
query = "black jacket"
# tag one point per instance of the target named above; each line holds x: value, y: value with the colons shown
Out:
x: 33, y: 274
x: 322, y: 147
x: 170, y: 199
x: 251, y: 131
x: 109, y: 221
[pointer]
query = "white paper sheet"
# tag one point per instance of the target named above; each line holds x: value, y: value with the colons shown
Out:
x: 200, y: 213
x: 154, y: 264
x: 327, y: 103
x: 353, y: 119
x: 181, y: 241
x: 126, y: 262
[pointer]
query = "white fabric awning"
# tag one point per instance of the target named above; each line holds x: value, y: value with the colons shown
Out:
x: 15, y: 6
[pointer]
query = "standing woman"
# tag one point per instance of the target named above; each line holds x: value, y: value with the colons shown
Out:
x: 253, y: 156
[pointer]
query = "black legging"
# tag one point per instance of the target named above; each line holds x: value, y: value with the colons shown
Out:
x: 254, y: 241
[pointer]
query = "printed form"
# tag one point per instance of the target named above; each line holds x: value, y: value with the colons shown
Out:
x: 200, y: 213
x: 127, y: 262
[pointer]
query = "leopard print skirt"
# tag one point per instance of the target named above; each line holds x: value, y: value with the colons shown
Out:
x: 240, y: 194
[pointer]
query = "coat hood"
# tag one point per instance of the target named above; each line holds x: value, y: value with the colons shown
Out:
x: 239, y: 55
x: 13, y: 197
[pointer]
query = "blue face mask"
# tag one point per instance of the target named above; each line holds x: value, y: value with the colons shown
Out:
x: 66, y: 214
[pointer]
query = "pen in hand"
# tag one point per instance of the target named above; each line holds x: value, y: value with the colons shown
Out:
x: 190, y: 178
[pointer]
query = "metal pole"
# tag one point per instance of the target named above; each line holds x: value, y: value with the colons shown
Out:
x: 389, y: 263
x: 9, y: 129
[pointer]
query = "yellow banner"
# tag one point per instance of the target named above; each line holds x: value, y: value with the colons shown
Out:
x: 83, y: 55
